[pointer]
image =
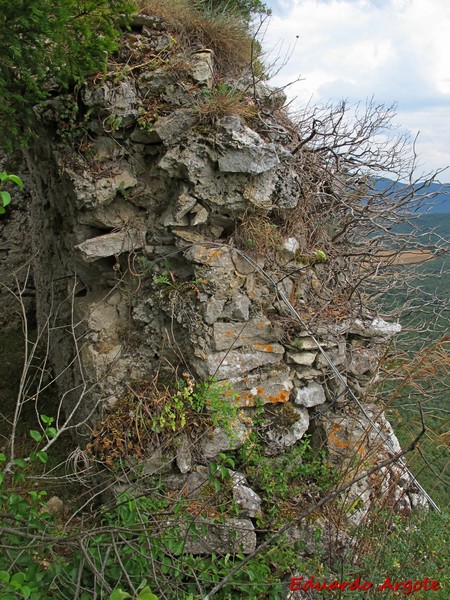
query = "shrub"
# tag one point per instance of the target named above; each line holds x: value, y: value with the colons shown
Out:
x: 45, y: 43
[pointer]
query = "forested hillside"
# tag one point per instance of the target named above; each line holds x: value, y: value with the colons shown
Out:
x: 425, y: 316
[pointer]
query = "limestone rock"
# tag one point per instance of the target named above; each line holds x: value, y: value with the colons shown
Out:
x: 270, y: 97
x: 251, y: 159
x: 239, y: 308
x: 211, y: 256
x: 311, y: 395
x: 375, y: 328
x: 236, y: 335
x: 110, y: 216
x: 289, y: 424
x: 170, y: 128
x: 111, y: 244
x: 184, y: 455
x: 224, y: 365
x: 290, y: 246
x: 265, y: 387
x: 220, y: 440
x: 302, y: 358
x: 213, y: 310
x: 249, y: 153
x: 202, y: 67
x: 248, y: 501
x: 234, y: 536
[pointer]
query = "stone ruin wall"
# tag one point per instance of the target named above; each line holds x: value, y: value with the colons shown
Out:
x: 135, y: 233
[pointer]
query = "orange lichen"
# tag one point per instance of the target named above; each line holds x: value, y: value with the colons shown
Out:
x: 283, y: 396
x: 264, y: 347
x: 335, y: 440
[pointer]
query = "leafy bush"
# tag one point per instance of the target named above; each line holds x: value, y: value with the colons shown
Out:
x: 127, y: 431
x: 47, y: 43
x: 402, y: 548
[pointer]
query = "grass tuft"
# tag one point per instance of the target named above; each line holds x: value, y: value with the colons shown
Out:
x: 223, y: 32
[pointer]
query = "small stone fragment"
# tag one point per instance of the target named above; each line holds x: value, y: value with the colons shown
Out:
x: 311, y: 395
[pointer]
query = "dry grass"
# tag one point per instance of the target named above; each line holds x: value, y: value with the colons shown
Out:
x: 222, y: 32
x: 222, y: 102
x: 258, y: 234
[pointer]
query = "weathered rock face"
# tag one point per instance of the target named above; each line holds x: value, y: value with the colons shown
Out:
x: 138, y: 238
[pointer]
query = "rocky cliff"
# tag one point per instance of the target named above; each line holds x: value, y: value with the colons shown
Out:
x: 183, y: 254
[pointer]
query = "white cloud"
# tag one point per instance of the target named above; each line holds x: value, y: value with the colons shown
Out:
x: 394, y: 50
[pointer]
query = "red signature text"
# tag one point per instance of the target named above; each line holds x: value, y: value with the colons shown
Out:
x: 407, y: 587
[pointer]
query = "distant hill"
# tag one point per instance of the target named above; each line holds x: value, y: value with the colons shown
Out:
x: 440, y: 203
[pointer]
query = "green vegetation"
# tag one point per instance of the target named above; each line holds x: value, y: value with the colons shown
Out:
x: 135, y: 545
x: 5, y: 197
x: 127, y: 430
x: 46, y: 44
x: 418, y: 365
x: 412, y: 548
x: 244, y: 7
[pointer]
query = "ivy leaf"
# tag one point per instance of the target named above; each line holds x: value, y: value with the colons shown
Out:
x: 42, y: 456
x: 47, y: 420
x: 146, y: 594
x: 5, y: 198
x: 16, y: 180
x: 119, y: 595
x: 37, y: 437
x: 50, y: 432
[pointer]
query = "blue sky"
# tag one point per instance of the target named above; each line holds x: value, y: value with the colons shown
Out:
x: 393, y: 50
